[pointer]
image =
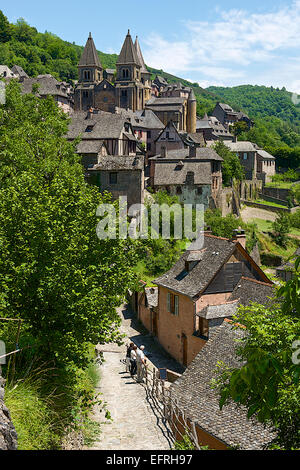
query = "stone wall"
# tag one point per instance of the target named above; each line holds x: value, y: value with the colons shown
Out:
x: 8, y: 435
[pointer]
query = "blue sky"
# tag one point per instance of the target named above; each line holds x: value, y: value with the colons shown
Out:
x: 214, y: 43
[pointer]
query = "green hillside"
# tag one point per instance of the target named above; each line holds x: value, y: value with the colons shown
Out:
x: 277, y: 119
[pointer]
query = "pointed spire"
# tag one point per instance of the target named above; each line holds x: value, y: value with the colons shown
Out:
x: 140, y: 56
x: 128, y: 53
x: 89, y: 56
x: 192, y: 96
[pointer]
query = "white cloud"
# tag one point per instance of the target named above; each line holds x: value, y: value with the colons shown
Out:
x: 238, y: 44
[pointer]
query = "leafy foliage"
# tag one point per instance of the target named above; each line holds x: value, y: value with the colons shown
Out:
x: 55, y: 273
x: 232, y: 168
x: 268, y: 383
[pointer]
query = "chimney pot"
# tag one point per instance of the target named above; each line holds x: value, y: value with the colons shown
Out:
x: 163, y: 152
x: 193, y: 152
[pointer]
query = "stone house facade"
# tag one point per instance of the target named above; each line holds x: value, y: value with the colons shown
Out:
x: 97, y: 127
x: 120, y: 176
x: 198, y: 292
x: 193, y: 174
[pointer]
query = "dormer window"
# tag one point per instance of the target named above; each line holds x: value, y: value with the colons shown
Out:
x: 89, y: 129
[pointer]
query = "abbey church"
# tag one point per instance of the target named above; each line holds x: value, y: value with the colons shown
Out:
x: 132, y: 83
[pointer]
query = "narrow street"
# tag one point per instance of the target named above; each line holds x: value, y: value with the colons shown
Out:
x: 135, y: 425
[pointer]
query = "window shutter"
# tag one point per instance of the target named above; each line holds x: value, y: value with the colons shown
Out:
x: 169, y: 302
x: 176, y: 310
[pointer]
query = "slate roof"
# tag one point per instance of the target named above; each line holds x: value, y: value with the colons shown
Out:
x: 90, y: 56
x: 250, y: 290
x: 48, y: 85
x: 9, y: 73
x: 140, y: 56
x: 227, y: 309
x: 265, y: 155
x: 114, y: 162
x: 17, y: 70
x: 167, y: 101
x: 215, y: 253
x: 202, y: 153
x: 105, y: 126
x: 194, y: 394
x: 227, y: 108
x: 173, y: 173
x: 241, y: 146
x: 146, y: 119
x: 89, y: 146
x: 128, y: 53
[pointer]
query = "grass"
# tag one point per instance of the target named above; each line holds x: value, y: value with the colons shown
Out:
x: 33, y: 415
x: 267, y: 203
x: 281, y: 184
x: 268, y: 245
x: 266, y: 226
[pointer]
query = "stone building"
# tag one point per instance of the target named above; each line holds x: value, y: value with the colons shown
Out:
x: 258, y: 164
x: 227, y: 116
x: 193, y: 174
x: 62, y: 92
x: 132, y: 84
x: 171, y: 138
x: 212, y: 129
x: 120, y: 176
x: 202, y: 289
x: 177, y: 104
x: 96, y: 128
x: 6, y: 72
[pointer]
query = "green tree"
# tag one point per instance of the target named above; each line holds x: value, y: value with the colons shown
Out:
x: 268, y: 381
x: 281, y: 227
x: 221, y: 226
x: 239, y: 127
x: 5, y: 29
x: 54, y: 271
x: 232, y: 168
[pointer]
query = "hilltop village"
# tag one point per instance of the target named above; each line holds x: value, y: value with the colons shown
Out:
x: 138, y: 137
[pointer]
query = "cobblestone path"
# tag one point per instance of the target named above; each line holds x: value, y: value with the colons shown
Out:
x: 135, y: 425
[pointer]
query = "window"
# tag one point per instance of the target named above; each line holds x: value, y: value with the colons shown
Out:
x: 173, y: 303
x: 245, y: 156
x: 199, y: 191
x: 85, y: 94
x: 87, y: 75
x: 113, y: 178
x: 124, y: 93
x: 89, y: 129
x: 178, y: 190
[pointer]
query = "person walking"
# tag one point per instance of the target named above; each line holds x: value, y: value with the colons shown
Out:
x: 140, y: 362
x: 133, y: 365
x: 127, y: 359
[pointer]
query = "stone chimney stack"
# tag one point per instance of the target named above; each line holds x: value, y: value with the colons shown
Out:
x: 239, y: 235
x: 163, y: 152
x: 190, y: 178
x: 193, y: 151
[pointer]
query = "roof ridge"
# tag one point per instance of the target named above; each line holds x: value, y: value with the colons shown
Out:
x: 215, y: 236
x: 270, y: 284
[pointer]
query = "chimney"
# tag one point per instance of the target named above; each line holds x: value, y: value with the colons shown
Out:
x: 239, y: 235
x: 89, y: 113
x: 190, y: 178
x: 163, y: 152
x: 193, y: 151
